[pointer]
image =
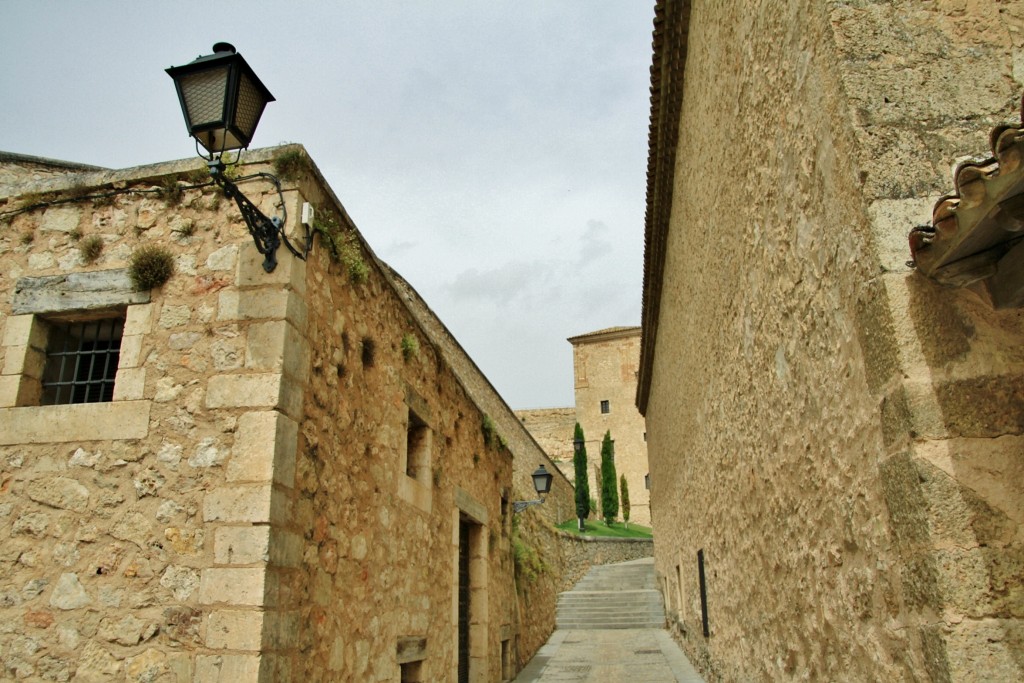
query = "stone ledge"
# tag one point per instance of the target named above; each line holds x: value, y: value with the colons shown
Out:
x: 79, y: 422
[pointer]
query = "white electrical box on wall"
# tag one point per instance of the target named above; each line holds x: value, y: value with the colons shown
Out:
x: 307, y: 214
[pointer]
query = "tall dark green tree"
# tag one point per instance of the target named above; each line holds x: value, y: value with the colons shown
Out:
x: 624, y: 497
x: 579, y: 463
x: 609, y: 482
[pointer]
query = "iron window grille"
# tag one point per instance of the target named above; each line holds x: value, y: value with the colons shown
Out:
x: 81, y: 361
x: 605, y: 407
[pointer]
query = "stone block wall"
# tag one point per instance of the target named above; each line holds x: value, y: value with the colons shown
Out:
x: 836, y: 436
x: 278, y: 488
x: 582, y: 553
x: 136, y: 532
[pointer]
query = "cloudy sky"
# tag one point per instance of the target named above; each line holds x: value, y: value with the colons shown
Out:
x: 492, y: 152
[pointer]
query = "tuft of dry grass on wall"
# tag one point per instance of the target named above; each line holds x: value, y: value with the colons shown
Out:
x: 91, y: 247
x: 150, y: 266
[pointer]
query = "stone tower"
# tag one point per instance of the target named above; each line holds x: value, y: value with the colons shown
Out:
x: 605, y: 365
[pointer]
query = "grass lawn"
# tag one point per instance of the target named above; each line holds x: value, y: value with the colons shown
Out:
x: 598, y: 528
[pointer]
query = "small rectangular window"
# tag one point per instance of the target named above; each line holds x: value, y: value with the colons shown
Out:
x: 605, y: 407
x: 81, y: 361
x: 417, y: 444
x: 412, y: 672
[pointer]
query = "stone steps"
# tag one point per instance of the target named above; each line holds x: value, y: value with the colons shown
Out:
x: 618, y: 596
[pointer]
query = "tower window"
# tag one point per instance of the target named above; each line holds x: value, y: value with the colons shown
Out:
x: 605, y: 407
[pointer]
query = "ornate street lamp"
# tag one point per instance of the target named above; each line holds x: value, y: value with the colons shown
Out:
x: 541, y: 483
x: 222, y: 101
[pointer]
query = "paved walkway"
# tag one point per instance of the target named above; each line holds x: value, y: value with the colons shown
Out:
x: 609, y: 656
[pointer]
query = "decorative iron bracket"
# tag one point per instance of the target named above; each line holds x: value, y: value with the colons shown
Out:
x: 520, y: 505
x: 267, y: 233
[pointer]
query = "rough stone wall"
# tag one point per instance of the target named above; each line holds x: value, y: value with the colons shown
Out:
x: 241, y: 510
x: 582, y: 553
x: 536, y: 591
x: 552, y: 428
x: 16, y: 170
x: 134, y: 532
x: 378, y: 564
x: 925, y: 84
x: 606, y: 370
x: 839, y: 437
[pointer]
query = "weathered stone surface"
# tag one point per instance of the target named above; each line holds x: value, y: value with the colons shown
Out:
x: 126, y: 630
x: 96, y: 665
x: 59, y: 492
x: 68, y: 423
x: 76, y: 292
x: 802, y: 387
x: 134, y: 527
x: 208, y: 454
x: 181, y: 581
x: 69, y: 593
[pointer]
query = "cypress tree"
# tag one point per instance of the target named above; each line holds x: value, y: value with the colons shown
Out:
x: 609, y: 482
x: 624, y: 491
x: 579, y: 462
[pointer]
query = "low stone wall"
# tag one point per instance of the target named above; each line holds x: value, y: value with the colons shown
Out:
x: 580, y: 553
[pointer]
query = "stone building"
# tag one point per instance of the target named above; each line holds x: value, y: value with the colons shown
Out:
x: 835, y: 440
x: 273, y: 476
x: 605, y: 365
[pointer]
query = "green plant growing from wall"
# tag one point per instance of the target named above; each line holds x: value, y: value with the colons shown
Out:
x: 582, y: 482
x: 288, y: 164
x: 528, y: 563
x: 624, y: 498
x: 492, y: 439
x: 609, y: 488
x: 150, y: 266
x: 410, y: 346
x: 90, y: 248
x: 344, y: 248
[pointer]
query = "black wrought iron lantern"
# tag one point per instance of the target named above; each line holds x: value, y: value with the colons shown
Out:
x: 221, y: 98
x: 577, y: 446
x: 541, y: 483
x: 542, y: 480
x: 222, y: 101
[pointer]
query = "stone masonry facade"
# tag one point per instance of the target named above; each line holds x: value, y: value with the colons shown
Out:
x: 289, y: 472
x: 605, y: 365
x: 835, y: 440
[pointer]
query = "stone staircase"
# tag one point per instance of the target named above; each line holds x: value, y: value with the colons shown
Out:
x: 613, y: 596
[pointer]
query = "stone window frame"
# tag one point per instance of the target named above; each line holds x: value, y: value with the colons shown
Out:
x: 606, y: 406
x: 76, y: 296
x: 415, y: 474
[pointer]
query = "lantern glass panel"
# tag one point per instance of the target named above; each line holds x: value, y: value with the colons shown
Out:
x: 204, y: 94
x: 542, y: 480
x: 250, y: 107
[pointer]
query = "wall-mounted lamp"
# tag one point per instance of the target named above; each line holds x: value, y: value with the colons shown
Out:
x: 541, y: 483
x: 647, y: 481
x: 222, y: 101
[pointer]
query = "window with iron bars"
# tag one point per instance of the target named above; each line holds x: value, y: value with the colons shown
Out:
x: 81, y: 361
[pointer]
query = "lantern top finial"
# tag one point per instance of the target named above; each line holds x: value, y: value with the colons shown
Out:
x: 224, y: 47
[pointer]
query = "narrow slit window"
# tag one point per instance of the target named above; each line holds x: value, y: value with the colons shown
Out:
x: 81, y: 361
x: 417, y: 448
